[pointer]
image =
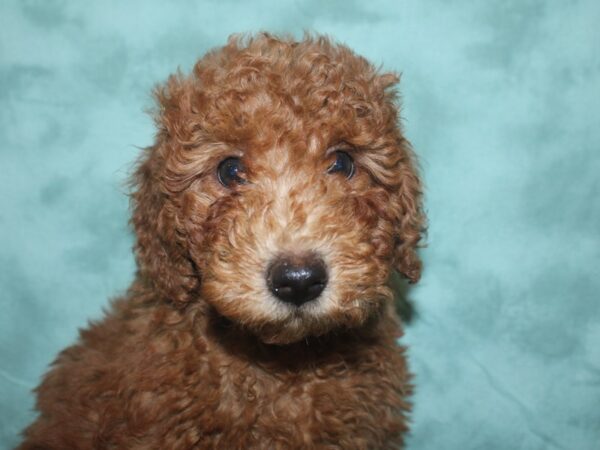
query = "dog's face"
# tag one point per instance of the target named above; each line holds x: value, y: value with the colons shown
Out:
x: 280, y: 191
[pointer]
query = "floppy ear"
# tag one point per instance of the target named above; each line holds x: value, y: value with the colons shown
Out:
x: 162, y: 258
x: 160, y: 249
x: 411, y: 218
x: 406, y: 197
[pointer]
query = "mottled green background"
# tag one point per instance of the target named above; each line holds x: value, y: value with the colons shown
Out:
x: 501, y: 103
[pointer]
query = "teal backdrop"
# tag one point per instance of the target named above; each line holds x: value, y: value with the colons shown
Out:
x: 501, y: 102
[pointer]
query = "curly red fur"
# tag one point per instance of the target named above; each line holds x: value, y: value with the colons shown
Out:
x: 198, y: 354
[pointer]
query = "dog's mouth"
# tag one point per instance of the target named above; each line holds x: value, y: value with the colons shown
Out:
x: 297, y: 326
x: 276, y: 349
x: 304, y: 323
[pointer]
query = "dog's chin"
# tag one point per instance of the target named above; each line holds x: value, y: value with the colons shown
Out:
x: 281, y: 339
x: 299, y: 328
x: 290, y: 331
x: 285, y: 336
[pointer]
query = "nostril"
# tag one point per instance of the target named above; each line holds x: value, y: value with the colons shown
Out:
x: 297, y: 280
x: 284, y: 291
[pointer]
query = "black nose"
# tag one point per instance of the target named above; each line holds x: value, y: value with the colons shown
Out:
x: 297, y: 280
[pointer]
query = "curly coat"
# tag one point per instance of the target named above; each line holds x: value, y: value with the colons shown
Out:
x: 198, y: 354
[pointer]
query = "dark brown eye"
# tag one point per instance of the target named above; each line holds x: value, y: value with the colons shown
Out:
x: 229, y: 172
x: 343, y: 164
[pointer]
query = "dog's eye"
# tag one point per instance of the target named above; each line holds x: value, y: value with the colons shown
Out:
x: 229, y: 172
x: 343, y: 164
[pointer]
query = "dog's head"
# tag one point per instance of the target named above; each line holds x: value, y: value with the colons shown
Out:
x: 280, y: 189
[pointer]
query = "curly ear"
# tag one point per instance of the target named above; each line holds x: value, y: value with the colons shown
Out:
x: 407, y: 190
x: 160, y: 249
x: 160, y: 252
x: 410, y: 215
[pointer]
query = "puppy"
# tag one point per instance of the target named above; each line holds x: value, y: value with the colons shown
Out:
x: 279, y: 197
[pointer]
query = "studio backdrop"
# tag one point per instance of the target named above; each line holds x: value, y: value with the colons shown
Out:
x: 500, y: 102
